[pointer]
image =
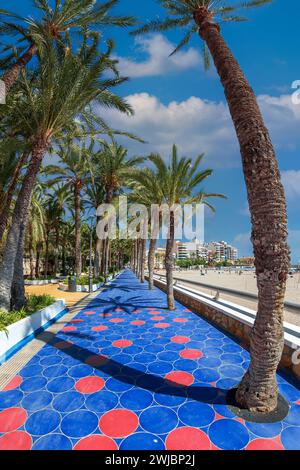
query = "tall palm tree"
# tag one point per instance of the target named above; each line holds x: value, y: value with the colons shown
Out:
x: 258, y: 390
x: 64, y: 87
x: 115, y: 170
x: 75, y: 172
x: 147, y: 191
x: 57, y: 23
x: 95, y: 194
x: 179, y: 182
x: 36, y: 223
x: 13, y: 158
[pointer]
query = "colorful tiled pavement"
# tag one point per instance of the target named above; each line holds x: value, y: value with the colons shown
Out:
x: 128, y: 374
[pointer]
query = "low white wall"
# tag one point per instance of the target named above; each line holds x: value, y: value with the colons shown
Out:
x: 19, y: 331
x: 85, y: 288
x: 40, y: 282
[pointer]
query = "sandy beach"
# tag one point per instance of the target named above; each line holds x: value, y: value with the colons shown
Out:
x: 246, y: 282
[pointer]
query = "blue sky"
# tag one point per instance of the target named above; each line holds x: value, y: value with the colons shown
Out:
x: 176, y: 101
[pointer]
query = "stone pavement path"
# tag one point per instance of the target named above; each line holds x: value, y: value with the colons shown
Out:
x: 125, y: 373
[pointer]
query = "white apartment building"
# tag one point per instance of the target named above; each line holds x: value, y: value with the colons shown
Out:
x: 217, y: 251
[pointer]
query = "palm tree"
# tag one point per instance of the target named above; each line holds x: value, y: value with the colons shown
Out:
x: 258, y: 391
x: 115, y: 170
x: 95, y: 195
x: 13, y: 158
x: 147, y: 191
x: 178, y: 182
x: 64, y: 87
x: 75, y: 173
x: 36, y: 223
x: 55, y: 23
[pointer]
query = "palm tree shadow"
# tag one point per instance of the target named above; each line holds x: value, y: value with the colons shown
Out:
x: 144, y: 380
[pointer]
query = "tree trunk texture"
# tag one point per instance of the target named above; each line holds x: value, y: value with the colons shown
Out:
x: 20, y: 213
x: 18, y: 298
x: 258, y: 390
x: 143, y: 252
x: 170, y: 262
x: 138, y: 259
x: 37, y: 261
x: 56, y: 258
x: 78, y: 260
x: 30, y: 249
x: 6, y: 206
x: 10, y: 77
x: 151, y: 262
x: 135, y: 256
x: 46, y: 265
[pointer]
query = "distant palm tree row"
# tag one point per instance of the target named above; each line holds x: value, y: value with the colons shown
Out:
x: 50, y: 110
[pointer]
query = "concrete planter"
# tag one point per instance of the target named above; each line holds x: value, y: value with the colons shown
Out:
x: 40, y: 282
x: 21, y: 332
x: 85, y: 288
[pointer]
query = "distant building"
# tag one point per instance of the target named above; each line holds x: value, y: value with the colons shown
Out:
x: 213, y: 251
x: 247, y: 261
x: 222, y: 251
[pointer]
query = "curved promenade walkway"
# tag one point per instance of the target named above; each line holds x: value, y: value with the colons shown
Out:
x: 126, y: 373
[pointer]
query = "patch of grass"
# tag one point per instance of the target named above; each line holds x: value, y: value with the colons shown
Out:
x: 34, y: 303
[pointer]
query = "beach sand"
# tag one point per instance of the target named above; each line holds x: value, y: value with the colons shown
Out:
x: 245, y: 282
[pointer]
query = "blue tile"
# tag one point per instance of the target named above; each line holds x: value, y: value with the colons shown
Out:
x: 102, y: 401
x: 10, y: 398
x: 42, y: 422
x: 136, y: 399
x: 53, y: 442
x: 158, y: 420
x: 142, y: 441
x: 228, y: 434
x: 290, y: 438
x: 37, y: 400
x: 68, y: 401
x: 79, y: 424
x: 60, y: 384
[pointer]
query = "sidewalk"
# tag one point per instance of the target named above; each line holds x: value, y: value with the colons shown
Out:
x: 125, y: 373
x: 52, y: 289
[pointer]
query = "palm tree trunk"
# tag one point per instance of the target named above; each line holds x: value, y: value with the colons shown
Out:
x: 169, y: 263
x: 6, y: 205
x: 135, y: 256
x: 18, y: 298
x: 78, y: 261
x: 106, y: 257
x: 56, y: 258
x: 37, y: 261
x: 12, y: 74
x: 258, y: 390
x: 46, y: 265
x: 142, y: 267
x: 31, y: 264
x: 151, y: 261
x: 20, y: 213
x: 138, y: 258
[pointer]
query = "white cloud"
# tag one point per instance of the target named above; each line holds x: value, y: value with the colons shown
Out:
x: 195, y: 125
x: 291, y: 181
x: 282, y: 117
x: 158, y: 49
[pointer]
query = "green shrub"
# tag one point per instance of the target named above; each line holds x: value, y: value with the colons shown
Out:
x: 34, y: 303
x: 84, y: 280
